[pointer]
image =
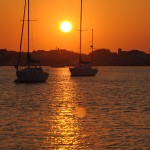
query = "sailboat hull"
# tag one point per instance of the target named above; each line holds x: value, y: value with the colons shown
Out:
x: 31, y: 75
x: 79, y: 71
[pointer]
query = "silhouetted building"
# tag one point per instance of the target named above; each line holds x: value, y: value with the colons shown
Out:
x: 119, y: 51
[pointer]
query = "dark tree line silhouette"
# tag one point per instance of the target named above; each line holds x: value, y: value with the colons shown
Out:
x: 101, y: 57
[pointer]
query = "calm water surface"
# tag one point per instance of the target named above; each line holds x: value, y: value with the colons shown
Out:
x: 108, y: 111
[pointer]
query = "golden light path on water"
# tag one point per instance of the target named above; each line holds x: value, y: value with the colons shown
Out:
x: 65, y: 129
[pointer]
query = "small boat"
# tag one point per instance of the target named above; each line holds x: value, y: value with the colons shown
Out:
x: 83, y: 68
x: 30, y: 73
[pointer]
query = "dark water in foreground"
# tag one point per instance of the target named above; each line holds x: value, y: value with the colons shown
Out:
x: 108, y: 111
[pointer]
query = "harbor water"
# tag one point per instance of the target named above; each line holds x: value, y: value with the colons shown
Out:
x: 110, y: 111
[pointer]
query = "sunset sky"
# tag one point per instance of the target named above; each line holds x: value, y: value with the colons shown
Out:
x: 117, y: 24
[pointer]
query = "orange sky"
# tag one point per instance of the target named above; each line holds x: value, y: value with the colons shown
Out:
x: 117, y: 24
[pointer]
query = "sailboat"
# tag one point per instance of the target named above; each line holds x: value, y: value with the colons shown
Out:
x: 29, y: 73
x: 83, y: 68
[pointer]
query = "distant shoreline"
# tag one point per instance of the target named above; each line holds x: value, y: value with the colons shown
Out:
x: 62, y: 57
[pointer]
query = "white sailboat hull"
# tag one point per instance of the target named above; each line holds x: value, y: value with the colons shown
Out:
x: 31, y: 75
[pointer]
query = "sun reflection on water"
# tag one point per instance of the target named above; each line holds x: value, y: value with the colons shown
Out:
x: 80, y: 112
x: 64, y: 130
x: 64, y: 127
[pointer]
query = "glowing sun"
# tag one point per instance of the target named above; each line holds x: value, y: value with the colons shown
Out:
x: 66, y: 26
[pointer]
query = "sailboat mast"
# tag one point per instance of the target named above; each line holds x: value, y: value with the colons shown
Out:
x: 28, y: 55
x: 22, y: 32
x: 80, y: 31
x: 92, y: 47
